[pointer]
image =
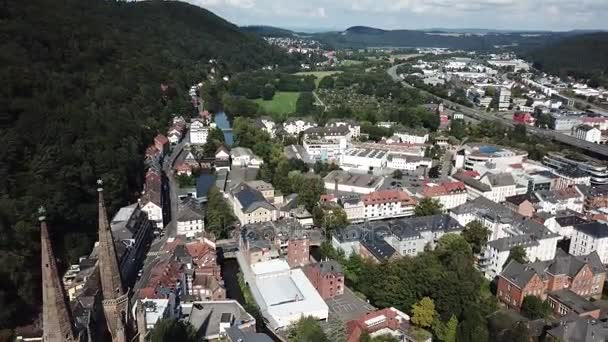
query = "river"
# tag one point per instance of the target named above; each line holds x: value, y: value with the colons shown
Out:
x: 221, y: 120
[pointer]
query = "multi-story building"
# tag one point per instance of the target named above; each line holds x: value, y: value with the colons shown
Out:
x: 597, y: 170
x: 324, y: 149
x: 353, y: 126
x: 508, y: 229
x: 327, y: 277
x: 388, y: 321
x: 496, y: 187
x: 298, y: 251
x: 596, y: 198
x: 151, y: 200
x: 266, y: 124
x: 384, y: 204
x: 295, y: 126
x: 569, y: 176
x: 504, y: 99
x: 552, y: 201
x: 587, y: 133
x: 448, y: 194
x: 590, y: 237
x: 199, y: 131
x: 474, y: 156
x: 243, y: 156
x: 251, y: 206
x: 342, y: 181
x: 413, y: 136
x: 190, y: 218
x: 407, y: 162
x: 583, y: 275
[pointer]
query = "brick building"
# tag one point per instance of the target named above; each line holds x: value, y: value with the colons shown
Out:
x: 327, y: 277
x: 596, y: 197
x: 298, y: 251
x: 583, y: 275
x: 385, y: 321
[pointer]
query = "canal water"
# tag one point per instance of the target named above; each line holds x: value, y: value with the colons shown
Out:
x: 221, y: 120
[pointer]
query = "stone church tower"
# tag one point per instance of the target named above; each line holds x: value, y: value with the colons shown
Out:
x: 115, y: 298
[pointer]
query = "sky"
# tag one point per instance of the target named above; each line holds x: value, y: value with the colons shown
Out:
x: 556, y: 15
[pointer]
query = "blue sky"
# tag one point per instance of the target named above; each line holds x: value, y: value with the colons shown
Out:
x: 415, y: 14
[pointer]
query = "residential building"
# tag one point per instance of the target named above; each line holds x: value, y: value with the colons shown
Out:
x: 587, y: 133
x: 504, y: 99
x: 565, y: 302
x: 405, y: 236
x: 234, y: 334
x: 583, y: 275
x: 579, y: 328
x: 151, y: 199
x: 590, y: 237
x: 524, y: 118
x: 508, y: 229
x: 266, y: 124
x: 494, y: 186
x: 407, y: 162
x: 243, y: 156
x: 190, y: 218
x: 384, y: 204
x: 412, y: 136
x: 212, y: 320
x: 353, y: 126
x: 324, y: 149
x: 342, y: 181
x: 569, y: 176
x: 298, y: 251
x: 524, y: 205
x: 295, y: 126
x: 199, y: 131
x: 161, y: 143
x: 353, y: 207
x: 552, y: 201
x: 448, y: 194
x: 251, y: 205
x: 561, y: 222
x: 157, y: 309
x: 327, y: 278
x: 388, y: 321
x: 596, y: 197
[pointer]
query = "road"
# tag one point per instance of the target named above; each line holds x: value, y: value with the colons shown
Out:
x: 169, y: 161
x: 479, y: 115
x: 319, y: 99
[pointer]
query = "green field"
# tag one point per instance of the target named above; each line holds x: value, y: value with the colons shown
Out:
x: 282, y: 103
x: 318, y: 74
x: 349, y: 62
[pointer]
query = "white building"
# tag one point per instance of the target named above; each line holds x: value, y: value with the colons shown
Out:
x: 295, y: 126
x: 157, y: 309
x: 363, y: 159
x: 151, y: 204
x: 472, y: 156
x: 552, y: 201
x: 353, y: 126
x: 324, y: 149
x: 284, y: 295
x: 385, y: 204
x: 252, y: 204
x: 406, y: 162
x: 267, y: 124
x: 495, y: 187
x: 504, y: 99
x: 413, y: 137
x: 243, y: 156
x: 190, y: 219
x: 199, y: 132
x: 508, y: 229
x: 587, y: 133
x: 448, y: 194
x: 590, y: 237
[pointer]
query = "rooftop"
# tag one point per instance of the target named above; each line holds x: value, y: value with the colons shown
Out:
x: 205, y: 317
x: 353, y: 179
x: 594, y: 229
x: 575, y: 302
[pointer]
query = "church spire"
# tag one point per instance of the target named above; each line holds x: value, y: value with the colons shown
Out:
x: 115, y: 299
x: 111, y: 280
x: 57, y: 322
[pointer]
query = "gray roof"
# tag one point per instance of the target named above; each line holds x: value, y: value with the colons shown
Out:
x: 327, y: 131
x: 407, y: 227
x: 297, y: 152
x: 573, y: 301
x: 251, y: 199
x: 235, y: 334
x: 190, y: 210
x: 472, y: 182
x: 580, y: 329
x: 330, y: 266
x: 595, y: 229
x: 240, y: 152
x: 499, y: 179
x: 205, y: 317
x: 352, y: 179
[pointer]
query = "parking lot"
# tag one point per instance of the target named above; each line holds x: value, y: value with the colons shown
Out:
x: 348, y: 306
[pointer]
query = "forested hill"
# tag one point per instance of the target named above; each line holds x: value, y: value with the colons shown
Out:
x: 584, y: 56
x: 80, y: 99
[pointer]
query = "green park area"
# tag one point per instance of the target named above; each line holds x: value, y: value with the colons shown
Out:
x: 283, y: 102
x: 318, y: 74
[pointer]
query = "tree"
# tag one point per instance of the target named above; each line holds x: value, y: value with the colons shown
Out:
x: 458, y: 129
x: 305, y: 103
x: 335, y: 219
x: 172, y: 330
x: 446, y: 332
x: 219, y: 214
x: 268, y: 92
x: 476, y: 235
x: 398, y: 174
x: 306, y: 329
x: 517, y: 253
x: 365, y: 337
x: 423, y: 312
x: 428, y: 206
x: 535, y: 308
x: 519, y: 133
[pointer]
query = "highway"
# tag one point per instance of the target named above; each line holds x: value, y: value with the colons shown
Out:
x: 601, y: 150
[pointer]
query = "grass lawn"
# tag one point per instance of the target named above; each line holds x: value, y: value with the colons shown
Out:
x: 318, y: 74
x: 348, y: 62
x: 281, y: 104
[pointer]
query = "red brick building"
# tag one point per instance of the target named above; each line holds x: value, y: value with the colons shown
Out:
x: 564, y: 302
x: 298, y: 252
x: 161, y: 143
x: 583, y: 275
x: 327, y: 277
x: 386, y: 319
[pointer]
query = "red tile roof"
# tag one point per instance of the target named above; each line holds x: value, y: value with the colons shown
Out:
x: 387, y: 196
x: 161, y: 139
x: 443, y: 189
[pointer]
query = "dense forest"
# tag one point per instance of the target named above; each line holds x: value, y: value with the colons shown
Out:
x: 584, y: 56
x: 81, y: 99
